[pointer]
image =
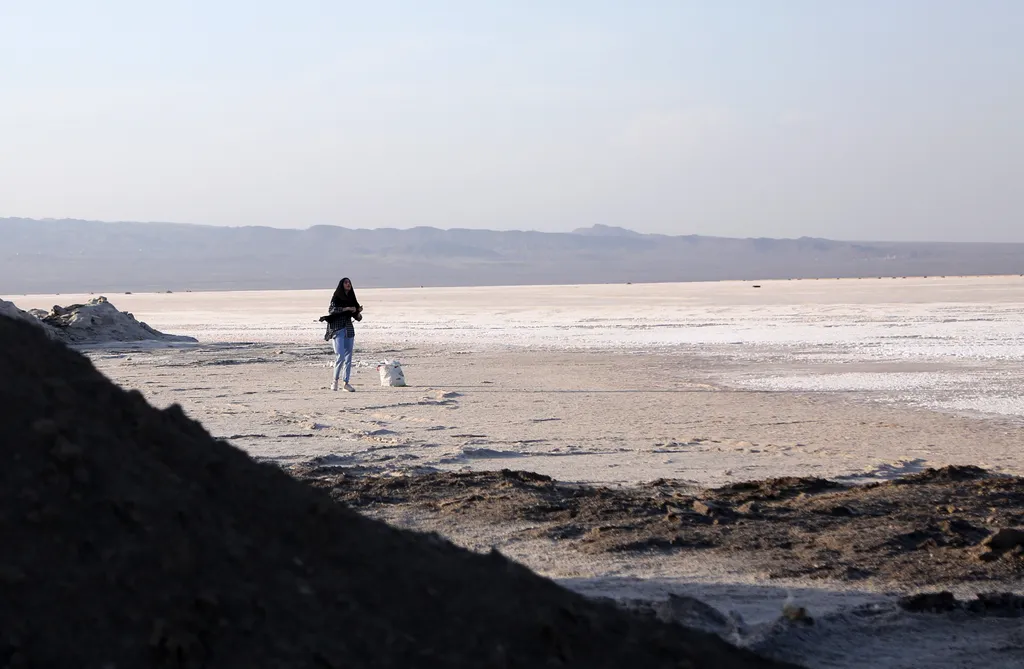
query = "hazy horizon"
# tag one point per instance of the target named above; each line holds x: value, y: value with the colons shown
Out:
x: 74, y: 255
x: 892, y: 120
x: 681, y: 233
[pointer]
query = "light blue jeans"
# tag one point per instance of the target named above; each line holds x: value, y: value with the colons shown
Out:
x: 343, y: 346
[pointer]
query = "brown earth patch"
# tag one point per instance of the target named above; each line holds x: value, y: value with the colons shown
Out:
x: 946, y: 525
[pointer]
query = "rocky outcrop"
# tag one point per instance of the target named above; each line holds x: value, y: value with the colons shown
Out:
x: 95, y: 322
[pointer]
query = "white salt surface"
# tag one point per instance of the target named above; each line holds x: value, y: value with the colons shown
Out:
x: 969, y: 331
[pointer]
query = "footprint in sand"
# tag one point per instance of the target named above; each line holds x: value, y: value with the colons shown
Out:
x: 673, y: 446
x: 380, y: 436
x: 438, y: 397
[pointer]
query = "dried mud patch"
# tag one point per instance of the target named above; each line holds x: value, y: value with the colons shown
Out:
x: 939, y: 526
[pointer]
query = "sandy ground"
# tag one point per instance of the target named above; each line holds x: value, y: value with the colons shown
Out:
x: 706, y: 383
x: 952, y: 344
x: 576, y: 416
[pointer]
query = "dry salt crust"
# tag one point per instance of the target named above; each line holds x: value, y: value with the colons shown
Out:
x: 707, y: 381
x: 856, y: 379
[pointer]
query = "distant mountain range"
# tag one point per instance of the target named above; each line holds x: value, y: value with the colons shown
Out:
x: 50, y: 256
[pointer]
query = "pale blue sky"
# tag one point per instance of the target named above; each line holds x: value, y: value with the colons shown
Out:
x: 868, y: 119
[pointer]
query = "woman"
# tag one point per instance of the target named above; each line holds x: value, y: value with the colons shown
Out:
x: 340, y: 331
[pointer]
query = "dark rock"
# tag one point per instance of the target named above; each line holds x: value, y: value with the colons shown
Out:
x: 778, y: 488
x: 750, y: 508
x: 523, y: 476
x: 1001, y: 604
x: 946, y: 474
x: 796, y: 614
x: 1004, y: 539
x: 962, y: 528
x: 997, y: 604
x: 710, y: 509
x: 929, y: 602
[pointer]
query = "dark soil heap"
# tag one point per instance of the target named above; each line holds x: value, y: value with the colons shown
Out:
x: 131, y: 538
x: 938, y: 527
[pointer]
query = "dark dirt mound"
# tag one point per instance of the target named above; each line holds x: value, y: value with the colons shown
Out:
x: 777, y: 488
x: 496, y: 496
x: 131, y: 538
x: 940, y: 526
x: 10, y: 310
x: 997, y: 604
x: 944, y: 474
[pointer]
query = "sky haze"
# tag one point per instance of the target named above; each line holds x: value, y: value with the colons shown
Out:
x: 879, y: 119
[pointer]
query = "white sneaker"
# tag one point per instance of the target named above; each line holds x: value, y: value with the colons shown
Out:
x: 349, y: 388
x: 334, y: 384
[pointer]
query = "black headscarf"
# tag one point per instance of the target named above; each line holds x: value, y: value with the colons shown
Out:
x: 341, y: 299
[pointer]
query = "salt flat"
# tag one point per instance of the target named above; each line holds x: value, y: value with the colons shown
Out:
x: 953, y: 344
x: 855, y: 380
x: 618, y: 383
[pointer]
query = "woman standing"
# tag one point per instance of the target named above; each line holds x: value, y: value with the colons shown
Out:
x: 340, y: 331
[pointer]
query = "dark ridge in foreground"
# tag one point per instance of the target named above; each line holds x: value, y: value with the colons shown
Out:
x: 131, y: 538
